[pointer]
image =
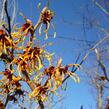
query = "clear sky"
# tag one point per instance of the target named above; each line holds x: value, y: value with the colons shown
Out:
x: 69, y: 21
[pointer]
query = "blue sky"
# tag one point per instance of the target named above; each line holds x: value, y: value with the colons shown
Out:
x: 70, y: 41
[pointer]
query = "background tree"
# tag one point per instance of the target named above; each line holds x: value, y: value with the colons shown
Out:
x: 94, y: 24
x: 27, y: 63
x: 97, y: 73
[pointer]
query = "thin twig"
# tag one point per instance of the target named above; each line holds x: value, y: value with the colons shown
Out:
x: 37, y: 25
x: 8, y: 17
x: 76, y: 61
x: 7, y: 100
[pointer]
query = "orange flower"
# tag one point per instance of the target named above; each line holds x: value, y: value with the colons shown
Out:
x: 45, y: 18
x: 50, y: 71
x: 40, y: 92
x: 5, y: 41
x: 27, y: 28
x: 56, y: 74
x: 46, y: 15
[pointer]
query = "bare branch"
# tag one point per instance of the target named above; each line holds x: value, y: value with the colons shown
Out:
x: 101, y: 65
x: 100, y: 7
x: 14, y: 12
x: 2, y: 13
x: 8, y: 17
x: 87, y: 54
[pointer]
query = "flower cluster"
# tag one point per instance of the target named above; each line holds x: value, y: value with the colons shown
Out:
x: 27, y: 28
x: 31, y: 60
x: 46, y: 16
x: 55, y: 76
x: 25, y: 60
x: 10, y: 81
x: 40, y: 92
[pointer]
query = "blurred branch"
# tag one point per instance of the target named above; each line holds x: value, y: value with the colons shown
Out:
x: 14, y: 12
x: 87, y: 54
x: 48, y: 3
x: 101, y: 64
x: 2, y: 13
x: 24, y: 17
x: 72, y: 39
x: 103, y: 9
x: 81, y: 107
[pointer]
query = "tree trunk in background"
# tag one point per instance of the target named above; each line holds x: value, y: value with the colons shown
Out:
x: 81, y: 107
x: 99, y: 99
